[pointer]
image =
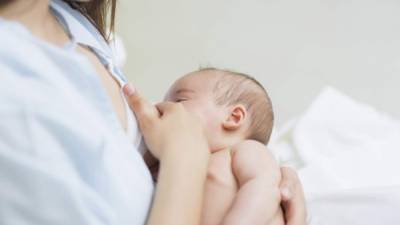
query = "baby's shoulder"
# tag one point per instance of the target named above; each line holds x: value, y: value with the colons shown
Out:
x: 251, y: 157
x: 251, y: 145
x: 250, y: 149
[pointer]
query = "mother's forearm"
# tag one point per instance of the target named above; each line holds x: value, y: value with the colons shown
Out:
x: 179, y: 191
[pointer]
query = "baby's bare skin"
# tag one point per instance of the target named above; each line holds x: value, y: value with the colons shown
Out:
x: 220, y: 189
x: 242, y: 187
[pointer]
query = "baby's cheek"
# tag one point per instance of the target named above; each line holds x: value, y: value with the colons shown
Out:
x: 208, y: 115
x: 191, y: 107
x: 188, y: 106
x: 194, y: 109
x: 212, y: 123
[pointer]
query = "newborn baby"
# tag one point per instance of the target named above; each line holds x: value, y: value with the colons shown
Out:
x: 243, y: 178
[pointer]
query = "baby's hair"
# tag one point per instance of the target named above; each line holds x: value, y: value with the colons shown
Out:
x: 233, y: 88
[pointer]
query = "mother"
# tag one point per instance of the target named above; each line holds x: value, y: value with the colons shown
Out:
x: 68, y: 143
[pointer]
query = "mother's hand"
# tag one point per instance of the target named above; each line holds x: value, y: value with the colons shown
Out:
x: 177, y: 139
x: 168, y: 127
x: 293, y: 201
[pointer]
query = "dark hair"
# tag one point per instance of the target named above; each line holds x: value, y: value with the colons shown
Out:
x: 100, y: 12
x: 4, y: 2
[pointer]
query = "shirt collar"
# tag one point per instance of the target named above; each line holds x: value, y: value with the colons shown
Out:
x: 80, y: 28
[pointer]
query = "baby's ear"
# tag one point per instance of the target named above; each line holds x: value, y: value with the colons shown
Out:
x: 235, y: 118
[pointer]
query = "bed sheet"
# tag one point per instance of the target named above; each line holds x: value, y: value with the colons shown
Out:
x: 347, y: 156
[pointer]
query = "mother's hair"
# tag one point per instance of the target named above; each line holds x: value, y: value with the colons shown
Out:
x: 97, y: 11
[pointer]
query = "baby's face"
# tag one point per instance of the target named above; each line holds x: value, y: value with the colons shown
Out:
x: 195, y: 92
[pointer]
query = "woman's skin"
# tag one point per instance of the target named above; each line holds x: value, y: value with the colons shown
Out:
x: 293, y: 201
x: 180, y: 185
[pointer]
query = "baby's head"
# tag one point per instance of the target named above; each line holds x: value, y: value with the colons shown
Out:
x: 232, y: 106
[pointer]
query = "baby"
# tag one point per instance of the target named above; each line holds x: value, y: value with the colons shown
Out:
x: 242, y: 186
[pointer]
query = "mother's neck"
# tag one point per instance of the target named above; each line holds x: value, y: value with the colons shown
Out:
x: 32, y: 13
x: 36, y: 16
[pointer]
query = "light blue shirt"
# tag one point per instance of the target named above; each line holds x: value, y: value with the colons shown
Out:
x: 64, y: 157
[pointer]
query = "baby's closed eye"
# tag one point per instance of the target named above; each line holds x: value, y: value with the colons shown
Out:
x: 181, y: 99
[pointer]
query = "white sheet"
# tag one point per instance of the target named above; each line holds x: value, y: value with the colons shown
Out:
x: 362, y: 206
x: 347, y: 156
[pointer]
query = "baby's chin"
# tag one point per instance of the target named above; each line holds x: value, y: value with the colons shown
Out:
x: 215, y: 147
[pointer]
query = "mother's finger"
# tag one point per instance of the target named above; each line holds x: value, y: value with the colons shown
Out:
x: 293, y: 200
x: 145, y: 112
x: 288, y: 183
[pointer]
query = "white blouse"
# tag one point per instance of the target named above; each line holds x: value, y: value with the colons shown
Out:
x: 64, y: 157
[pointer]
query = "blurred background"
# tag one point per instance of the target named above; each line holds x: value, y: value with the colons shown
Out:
x: 294, y: 48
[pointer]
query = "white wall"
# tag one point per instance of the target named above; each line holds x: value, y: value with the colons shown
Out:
x: 293, y: 47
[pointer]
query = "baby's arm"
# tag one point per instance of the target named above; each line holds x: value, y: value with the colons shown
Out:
x: 258, y: 199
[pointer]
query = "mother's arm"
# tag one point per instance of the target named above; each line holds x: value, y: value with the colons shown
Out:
x: 176, y: 138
